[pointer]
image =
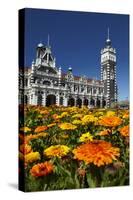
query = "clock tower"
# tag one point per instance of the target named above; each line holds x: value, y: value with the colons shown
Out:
x: 108, y: 72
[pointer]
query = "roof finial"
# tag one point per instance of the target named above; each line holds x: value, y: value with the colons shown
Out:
x: 48, y: 40
x: 108, y: 33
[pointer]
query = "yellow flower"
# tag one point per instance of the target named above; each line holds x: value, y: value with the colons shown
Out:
x: 25, y: 129
x: 77, y: 121
x: 57, y: 150
x: 51, y: 125
x: 77, y: 116
x: 31, y: 157
x: 64, y: 114
x: 110, y: 113
x: 88, y: 118
x: 42, y: 134
x: 86, y: 137
x: 67, y: 126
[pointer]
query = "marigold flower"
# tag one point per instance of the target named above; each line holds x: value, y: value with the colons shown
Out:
x: 77, y: 121
x: 57, y: 150
x: 97, y: 152
x: 67, y: 126
x: 86, y: 137
x: 110, y: 113
x: 25, y: 148
x: 124, y: 131
x: 25, y: 129
x: 31, y: 157
x: 51, y: 125
x: 111, y: 121
x: 77, y: 116
x: 55, y: 116
x: 44, y: 112
x: 88, y: 118
x: 64, y: 114
x: 41, y: 169
x: 126, y: 115
x: 104, y: 132
x: 27, y: 138
x: 40, y: 129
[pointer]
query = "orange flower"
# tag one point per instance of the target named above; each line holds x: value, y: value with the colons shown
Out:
x: 28, y: 138
x: 25, y: 148
x: 44, y: 112
x: 124, y: 131
x: 104, y: 132
x: 41, y: 169
x: 42, y: 134
x: 55, y: 116
x: 98, y: 152
x: 40, y: 129
x: 111, y: 121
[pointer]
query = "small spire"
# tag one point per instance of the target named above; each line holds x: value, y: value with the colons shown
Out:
x: 108, y: 33
x: 48, y: 40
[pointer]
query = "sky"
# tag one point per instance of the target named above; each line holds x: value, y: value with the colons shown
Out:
x: 76, y: 39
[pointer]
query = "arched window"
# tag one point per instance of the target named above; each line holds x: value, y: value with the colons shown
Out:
x: 79, y: 102
x: 50, y: 100
x: 86, y: 102
x: 71, y: 102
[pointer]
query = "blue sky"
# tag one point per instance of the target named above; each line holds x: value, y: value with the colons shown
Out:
x: 76, y: 39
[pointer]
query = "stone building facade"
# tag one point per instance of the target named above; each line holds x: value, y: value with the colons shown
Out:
x: 45, y: 84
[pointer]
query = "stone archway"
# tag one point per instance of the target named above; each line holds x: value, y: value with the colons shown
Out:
x: 79, y: 102
x: 50, y: 100
x: 92, y: 102
x: 39, y: 100
x: 86, y: 102
x: 103, y: 103
x: 98, y: 103
x: 71, y: 102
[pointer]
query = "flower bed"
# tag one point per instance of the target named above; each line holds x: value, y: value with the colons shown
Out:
x: 70, y: 147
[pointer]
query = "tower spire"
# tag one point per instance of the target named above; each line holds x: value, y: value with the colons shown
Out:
x: 108, y: 41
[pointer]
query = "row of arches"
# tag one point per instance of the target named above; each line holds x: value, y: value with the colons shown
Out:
x: 51, y: 100
x: 78, y: 102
